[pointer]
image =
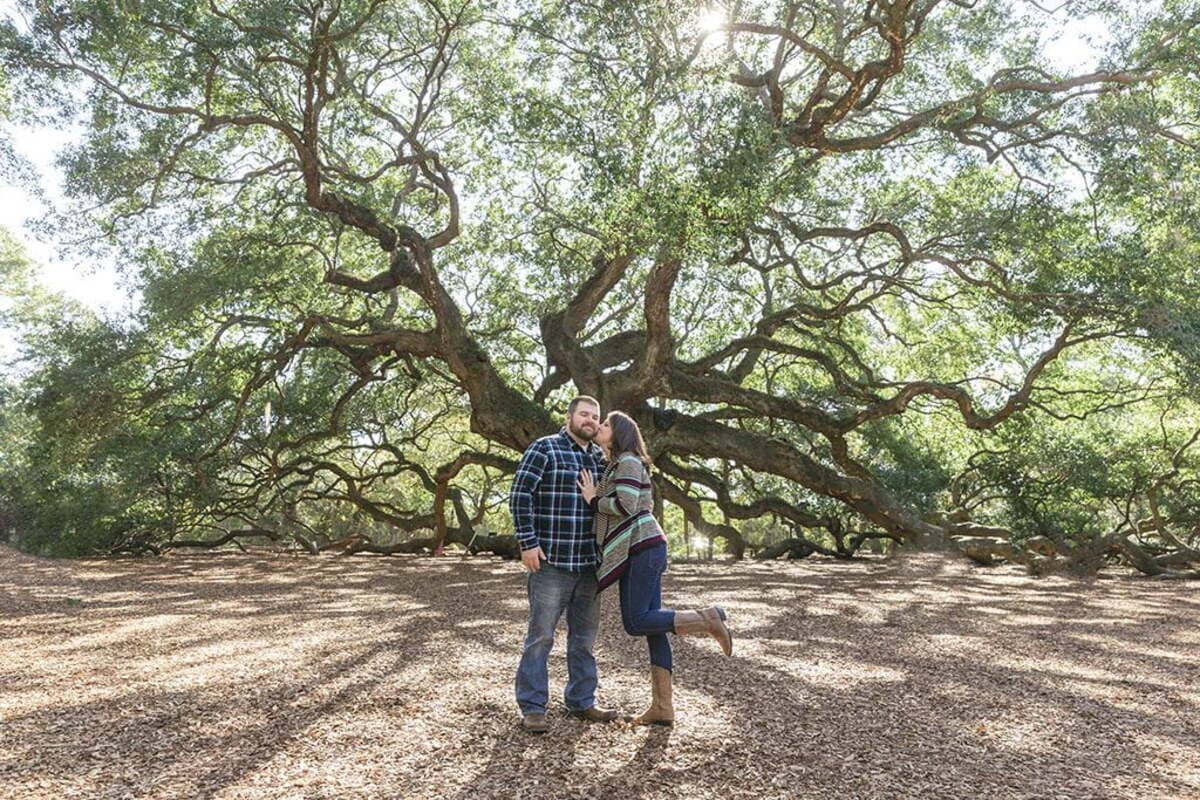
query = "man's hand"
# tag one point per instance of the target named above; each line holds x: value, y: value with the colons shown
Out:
x: 532, y: 559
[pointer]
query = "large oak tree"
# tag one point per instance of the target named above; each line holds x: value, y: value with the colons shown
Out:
x: 861, y: 270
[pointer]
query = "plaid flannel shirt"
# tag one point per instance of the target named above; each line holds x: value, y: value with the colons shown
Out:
x: 547, y: 506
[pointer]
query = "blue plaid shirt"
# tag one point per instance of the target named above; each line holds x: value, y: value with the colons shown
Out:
x: 547, y: 507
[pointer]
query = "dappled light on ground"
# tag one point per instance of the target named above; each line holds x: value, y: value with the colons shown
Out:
x: 277, y: 676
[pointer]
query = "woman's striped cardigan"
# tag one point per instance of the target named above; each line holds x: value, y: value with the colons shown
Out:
x: 624, y: 519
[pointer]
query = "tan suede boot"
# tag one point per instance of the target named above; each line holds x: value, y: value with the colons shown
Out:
x: 661, y: 710
x: 709, y: 621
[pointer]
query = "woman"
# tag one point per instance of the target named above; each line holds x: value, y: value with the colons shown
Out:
x: 634, y: 553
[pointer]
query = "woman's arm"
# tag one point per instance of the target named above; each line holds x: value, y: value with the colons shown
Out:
x: 621, y: 499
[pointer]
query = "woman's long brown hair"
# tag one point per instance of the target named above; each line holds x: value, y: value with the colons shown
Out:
x: 626, y: 438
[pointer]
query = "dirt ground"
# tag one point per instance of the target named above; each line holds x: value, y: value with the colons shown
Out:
x: 278, y: 676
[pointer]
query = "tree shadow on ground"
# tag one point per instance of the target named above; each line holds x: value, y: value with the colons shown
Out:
x: 270, y: 676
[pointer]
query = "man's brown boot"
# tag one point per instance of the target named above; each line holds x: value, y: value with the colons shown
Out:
x: 709, y: 621
x: 661, y: 710
x: 535, y: 723
x: 596, y: 714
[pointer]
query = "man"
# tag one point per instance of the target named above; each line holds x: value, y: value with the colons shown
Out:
x: 558, y: 549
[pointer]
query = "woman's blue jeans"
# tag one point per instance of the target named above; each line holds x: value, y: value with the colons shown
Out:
x: 641, y: 603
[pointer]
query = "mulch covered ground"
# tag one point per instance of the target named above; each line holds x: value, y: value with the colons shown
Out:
x: 279, y: 676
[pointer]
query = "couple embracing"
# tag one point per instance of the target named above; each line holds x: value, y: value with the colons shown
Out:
x: 582, y: 505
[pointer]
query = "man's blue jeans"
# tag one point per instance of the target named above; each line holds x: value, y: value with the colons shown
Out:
x: 552, y: 591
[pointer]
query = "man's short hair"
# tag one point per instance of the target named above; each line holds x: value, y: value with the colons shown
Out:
x: 583, y: 398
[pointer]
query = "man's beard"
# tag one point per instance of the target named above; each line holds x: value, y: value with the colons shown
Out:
x: 586, y: 434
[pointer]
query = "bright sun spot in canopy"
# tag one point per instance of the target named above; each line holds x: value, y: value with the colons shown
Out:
x: 712, y: 20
